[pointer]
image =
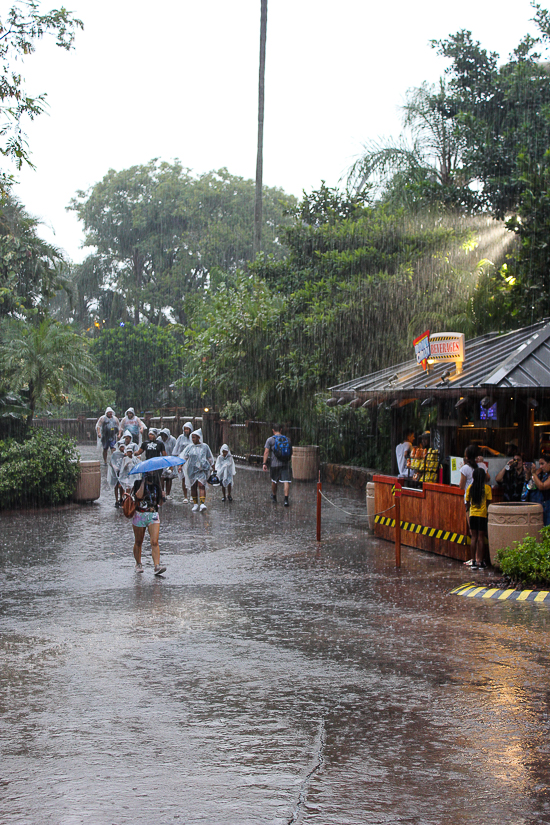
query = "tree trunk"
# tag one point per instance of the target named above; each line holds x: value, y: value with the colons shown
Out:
x: 260, y: 158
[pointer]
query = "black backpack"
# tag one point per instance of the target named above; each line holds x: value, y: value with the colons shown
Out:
x: 281, y: 448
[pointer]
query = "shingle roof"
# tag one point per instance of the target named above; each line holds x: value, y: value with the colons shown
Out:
x: 514, y: 359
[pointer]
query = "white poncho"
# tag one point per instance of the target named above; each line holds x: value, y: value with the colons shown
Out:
x: 225, y: 466
x: 113, y: 469
x: 198, y: 460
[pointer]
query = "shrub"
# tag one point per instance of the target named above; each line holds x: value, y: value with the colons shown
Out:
x: 40, y: 472
x: 527, y: 560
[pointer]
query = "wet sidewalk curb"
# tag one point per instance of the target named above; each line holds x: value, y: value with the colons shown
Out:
x: 474, y: 591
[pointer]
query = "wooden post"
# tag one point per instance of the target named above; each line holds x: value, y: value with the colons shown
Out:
x: 319, y: 488
x: 396, y: 493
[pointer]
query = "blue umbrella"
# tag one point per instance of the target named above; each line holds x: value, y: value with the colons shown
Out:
x: 159, y: 462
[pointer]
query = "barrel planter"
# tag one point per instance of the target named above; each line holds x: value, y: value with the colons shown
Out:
x: 305, y: 463
x: 88, y: 486
x: 511, y: 521
x: 370, y: 504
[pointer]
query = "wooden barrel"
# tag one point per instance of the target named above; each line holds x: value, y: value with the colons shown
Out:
x: 511, y: 521
x: 88, y: 486
x: 370, y: 504
x: 305, y: 463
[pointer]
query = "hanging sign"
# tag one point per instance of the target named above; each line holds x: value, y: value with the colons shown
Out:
x: 422, y: 348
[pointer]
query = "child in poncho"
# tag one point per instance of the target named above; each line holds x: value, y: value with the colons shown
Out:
x: 113, y: 472
x: 130, y: 461
x: 225, y: 470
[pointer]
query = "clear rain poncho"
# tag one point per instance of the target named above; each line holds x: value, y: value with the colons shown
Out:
x: 198, y: 460
x: 125, y: 479
x: 183, y: 440
x: 169, y: 445
x: 115, y: 464
x: 225, y: 466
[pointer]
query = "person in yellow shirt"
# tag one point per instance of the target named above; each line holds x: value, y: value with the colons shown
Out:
x: 478, y: 496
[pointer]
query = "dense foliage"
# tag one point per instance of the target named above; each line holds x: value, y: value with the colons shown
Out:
x: 138, y: 363
x: 42, y: 471
x: 355, y: 287
x: 527, y: 561
x: 44, y: 361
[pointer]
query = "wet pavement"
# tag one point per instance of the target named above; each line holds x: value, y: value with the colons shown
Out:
x: 265, y: 678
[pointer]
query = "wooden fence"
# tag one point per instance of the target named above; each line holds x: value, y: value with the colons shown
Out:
x: 246, y: 441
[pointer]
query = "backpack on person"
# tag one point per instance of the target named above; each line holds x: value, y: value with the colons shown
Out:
x: 281, y: 448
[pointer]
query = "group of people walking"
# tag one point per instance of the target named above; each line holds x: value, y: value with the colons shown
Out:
x: 148, y: 490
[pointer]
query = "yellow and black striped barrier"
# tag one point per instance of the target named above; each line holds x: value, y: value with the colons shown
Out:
x: 432, y: 532
x: 473, y: 591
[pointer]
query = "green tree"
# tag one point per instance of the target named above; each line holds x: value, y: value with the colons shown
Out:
x: 45, y: 361
x: 20, y: 28
x: 162, y: 235
x: 31, y: 271
x: 139, y: 363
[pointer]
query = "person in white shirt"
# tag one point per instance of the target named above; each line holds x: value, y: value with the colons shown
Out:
x: 401, y: 453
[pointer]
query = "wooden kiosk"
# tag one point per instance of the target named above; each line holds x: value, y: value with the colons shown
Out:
x: 494, y: 393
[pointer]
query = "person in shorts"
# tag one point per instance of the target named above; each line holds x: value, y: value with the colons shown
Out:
x: 148, y: 498
x: 279, y: 470
x: 478, y: 496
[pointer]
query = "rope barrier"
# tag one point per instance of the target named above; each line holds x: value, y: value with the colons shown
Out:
x: 355, y: 515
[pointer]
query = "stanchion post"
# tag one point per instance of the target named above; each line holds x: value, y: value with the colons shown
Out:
x: 319, y: 488
x: 396, y: 493
x: 398, y: 531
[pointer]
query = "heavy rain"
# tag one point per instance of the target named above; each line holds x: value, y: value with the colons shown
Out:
x: 275, y: 458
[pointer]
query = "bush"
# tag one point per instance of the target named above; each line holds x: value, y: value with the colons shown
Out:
x: 40, y: 472
x: 527, y: 561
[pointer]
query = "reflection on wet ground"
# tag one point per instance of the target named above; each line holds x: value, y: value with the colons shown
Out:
x: 265, y: 678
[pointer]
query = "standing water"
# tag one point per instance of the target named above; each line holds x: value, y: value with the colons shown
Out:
x: 264, y: 678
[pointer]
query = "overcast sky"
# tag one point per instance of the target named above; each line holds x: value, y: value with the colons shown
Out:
x: 179, y: 79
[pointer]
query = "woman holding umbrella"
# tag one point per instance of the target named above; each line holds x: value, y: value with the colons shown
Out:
x: 148, y: 498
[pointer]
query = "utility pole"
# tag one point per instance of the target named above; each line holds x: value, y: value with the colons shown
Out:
x: 260, y: 159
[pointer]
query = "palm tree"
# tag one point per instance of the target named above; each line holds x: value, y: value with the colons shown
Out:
x: 45, y: 360
x: 260, y: 155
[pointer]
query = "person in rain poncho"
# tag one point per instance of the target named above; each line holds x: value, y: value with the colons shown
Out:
x: 133, y: 424
x: 169, y: 473
x: 113, y: 472
x: 184, y: 440
x: 130, y: 461
x: 225, y: 470
x: 106, y: 428
x: 199, y: 461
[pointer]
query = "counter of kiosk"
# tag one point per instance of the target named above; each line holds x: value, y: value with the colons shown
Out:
x: 433, y: 518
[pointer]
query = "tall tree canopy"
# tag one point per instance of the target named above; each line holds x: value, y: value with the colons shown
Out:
x: 161, y: 235
x: 481, y: 142
x: 20, y: 27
